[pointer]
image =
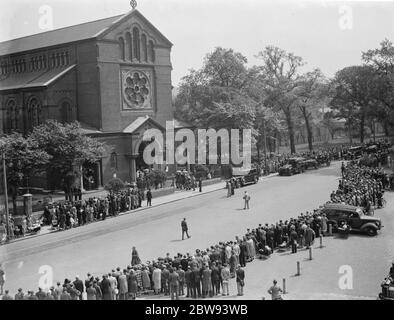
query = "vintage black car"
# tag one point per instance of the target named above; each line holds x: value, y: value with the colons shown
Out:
x: 310, y: 164
x: 293, y: 166
x: 323, y: 160
x: 354, y: 153
x: 245, y: 177
x: 355, y: 217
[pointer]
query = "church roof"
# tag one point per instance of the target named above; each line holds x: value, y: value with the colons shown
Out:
x: 34, y: 79
x: 179, y: 124
x: 137, y: 123
x: 74, y: 33
x: 79, y: 32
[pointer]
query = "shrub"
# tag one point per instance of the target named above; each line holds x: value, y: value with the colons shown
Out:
x: 114, y: 185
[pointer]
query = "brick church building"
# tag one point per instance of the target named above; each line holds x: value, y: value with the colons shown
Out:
x: 112, y: 75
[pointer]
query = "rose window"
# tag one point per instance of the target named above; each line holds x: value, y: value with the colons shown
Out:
x: 137, y: 90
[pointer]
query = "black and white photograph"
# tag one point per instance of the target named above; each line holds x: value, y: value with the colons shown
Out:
x: 210, y: 151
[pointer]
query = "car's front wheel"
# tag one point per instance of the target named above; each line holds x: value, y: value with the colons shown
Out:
x: 371, y: 231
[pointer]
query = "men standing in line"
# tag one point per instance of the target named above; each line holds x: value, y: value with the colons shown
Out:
x: 293, y: 239
x: 240, y: 280
x: 189, y: 282
x: 78, y: 284
x: 196, y: 278
x: 225, y: 273
x: 215, y: 277
x: 173, y: 280
x: 184, y: 228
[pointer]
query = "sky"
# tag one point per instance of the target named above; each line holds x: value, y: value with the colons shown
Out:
x: 329, y: 35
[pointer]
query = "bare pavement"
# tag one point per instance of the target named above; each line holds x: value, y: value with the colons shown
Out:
x: 212, y: 217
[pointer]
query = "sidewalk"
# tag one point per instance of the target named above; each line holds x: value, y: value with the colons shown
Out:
x: 177, y: 196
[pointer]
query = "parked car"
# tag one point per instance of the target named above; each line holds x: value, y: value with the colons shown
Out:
x: 245, y: 177
x: 293, y: 166
x: 310, y: 163
x: 354, y: 153
x: 355, y: 217
x: 323, y: 160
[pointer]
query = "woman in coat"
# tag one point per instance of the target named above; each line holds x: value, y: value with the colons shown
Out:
x: 206, y: 282
x: 156, y: 278
x: 309, y: 236
x: 132, y: 284
x: 145, y: 279
x: 123, y: 286
x: 135, y: 259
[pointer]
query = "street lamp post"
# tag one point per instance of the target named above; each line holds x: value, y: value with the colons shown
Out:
x: 7, y: 217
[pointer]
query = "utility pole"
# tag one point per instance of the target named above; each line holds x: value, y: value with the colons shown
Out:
x: 7, y: 217
x: 265, y: 146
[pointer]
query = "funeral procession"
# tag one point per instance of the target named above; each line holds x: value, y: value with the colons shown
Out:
x: 196, y: 150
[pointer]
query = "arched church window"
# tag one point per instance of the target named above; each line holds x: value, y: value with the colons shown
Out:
x: 67, y: 111
x: 129, y: 47
x: 136, y: 43
x: 144, y: 47
x: 34, y: 112
x: 58, y: 62
x: 114, y: 161
x: 67, y: 57
x: 152, y: 56
x: 12, y: 116
x: 121, y: 48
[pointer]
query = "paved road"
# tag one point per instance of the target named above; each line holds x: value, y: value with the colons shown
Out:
x: 212, y: 217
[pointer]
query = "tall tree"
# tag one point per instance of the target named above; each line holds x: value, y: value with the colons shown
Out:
x: 214, y: 96
x: 311, y: 94
x: 382, y: 61
x: 69, y: 149
x: 354, y: 94
x: 24, y: 159
x: 280, y: 70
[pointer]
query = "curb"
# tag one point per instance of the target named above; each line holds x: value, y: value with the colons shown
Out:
x: 140, y: 209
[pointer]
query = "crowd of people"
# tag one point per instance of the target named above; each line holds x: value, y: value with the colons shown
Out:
x: 361, y: 186
x: 69, y: 214
x: 208, y: 272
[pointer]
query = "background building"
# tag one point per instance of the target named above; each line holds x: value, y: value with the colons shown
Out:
x: 112, y: 75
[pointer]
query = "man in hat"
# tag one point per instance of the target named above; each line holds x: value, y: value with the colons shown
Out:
x: 246, y: 198
x: 225, y: 275
x: 240, y: 273
x: 7, y: 296
x: 41, y: 295
x: 173, y: 280
x: 20, y: 295
x: 165, y: 276
x: 78, y: 284
x: 184, y: 229
x: 149, y: 198
x: 189, y: 282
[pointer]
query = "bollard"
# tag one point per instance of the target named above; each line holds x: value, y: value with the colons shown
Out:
x: 321, y: 241
x: 310, y: 253
x: 298, y: 269
x: 284, y: 286
x: 330, y: 229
